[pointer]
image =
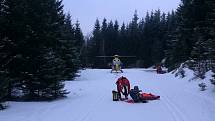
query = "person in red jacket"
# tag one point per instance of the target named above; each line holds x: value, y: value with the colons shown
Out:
x: 123, y: 87
x: 158, y: 69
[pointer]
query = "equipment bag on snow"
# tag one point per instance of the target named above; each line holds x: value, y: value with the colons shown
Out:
x: 115, y: 95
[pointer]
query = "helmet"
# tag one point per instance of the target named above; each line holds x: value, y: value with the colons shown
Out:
x: 136, y: 88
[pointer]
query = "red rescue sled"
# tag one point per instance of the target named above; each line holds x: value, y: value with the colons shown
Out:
x: 149, y: 96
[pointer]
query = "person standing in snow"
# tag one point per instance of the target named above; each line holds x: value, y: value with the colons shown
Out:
x: 123, y: 87
x: 159, y: 69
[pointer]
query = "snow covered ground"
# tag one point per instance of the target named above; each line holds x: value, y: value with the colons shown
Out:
x: 91, y: 100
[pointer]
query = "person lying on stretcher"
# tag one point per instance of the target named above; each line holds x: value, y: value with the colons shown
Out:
x: 137, y: 96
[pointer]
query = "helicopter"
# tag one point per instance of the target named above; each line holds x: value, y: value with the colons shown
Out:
x: 116, y: 62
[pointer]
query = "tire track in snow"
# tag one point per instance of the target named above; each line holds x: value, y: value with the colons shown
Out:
x: 99, y: 98
x: 176, y: 113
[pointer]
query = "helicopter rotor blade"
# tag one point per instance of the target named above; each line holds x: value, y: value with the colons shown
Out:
x: 127, y: 56
x: 114, y: 56
x: 104, y: 56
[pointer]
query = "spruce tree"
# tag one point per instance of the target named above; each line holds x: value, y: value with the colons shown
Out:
x: 170, y: 40
x: 210, y: 22
x: 94, y: 44
x: 104, y: 41
x: 142, y: 39
x: 51, y: 70
x: 133, y: 35
x: 183, y: 36
x: 70, y: 51
x: 201, y: 50
x: 157, y: 40
x: 110, y: 42
x: 4, y: 74
x: 3, y: 81
x: 78, y: 36
x: 13, y: 29
x: 35, y: 28
x: 147, y: 43
x: 146, y: 39
x: 122, y: 39
x: 79, y: 44
x: 115, y: 41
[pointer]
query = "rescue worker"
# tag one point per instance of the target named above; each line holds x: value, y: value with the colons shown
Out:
x: 158, y: 69
x: 123, y: 87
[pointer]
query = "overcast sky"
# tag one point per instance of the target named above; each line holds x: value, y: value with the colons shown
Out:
x: 86, y: 11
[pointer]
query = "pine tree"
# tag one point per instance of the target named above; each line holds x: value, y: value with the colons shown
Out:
x: 170, y: 40
x: 183, y: 36
x: 79, y: 36
x: 104, y: 40
x: 4, y: 80
x: 70, y: 51
x: 201, y: 49
x: 94, y: 44
x: 145, y: 38
x: 51, y: 72
x: 11, y: 40
x: 147, y: 43
x: 115, y: 41
x: 5, y: 56
x: 35, y: 28
x: 79, y: 41
x: 122, y: 39
x: 157, y: 40
x: 110, y: 43
x: 133, y: 35
x: 210, y: 22
x: 2, y: 54
x: 141, y: 42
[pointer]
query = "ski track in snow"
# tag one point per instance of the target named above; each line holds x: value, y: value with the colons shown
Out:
x: 87, y: 116
x: 173, y: 109
x: 91, y: 100
x: 176, y: 113
x: 202, y: 104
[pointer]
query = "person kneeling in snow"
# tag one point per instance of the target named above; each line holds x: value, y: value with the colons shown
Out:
x: 123, y: 86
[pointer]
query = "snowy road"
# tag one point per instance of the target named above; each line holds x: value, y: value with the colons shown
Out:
x: 91, y: 100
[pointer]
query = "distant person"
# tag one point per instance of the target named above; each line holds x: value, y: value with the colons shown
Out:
x: 159, y: 69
